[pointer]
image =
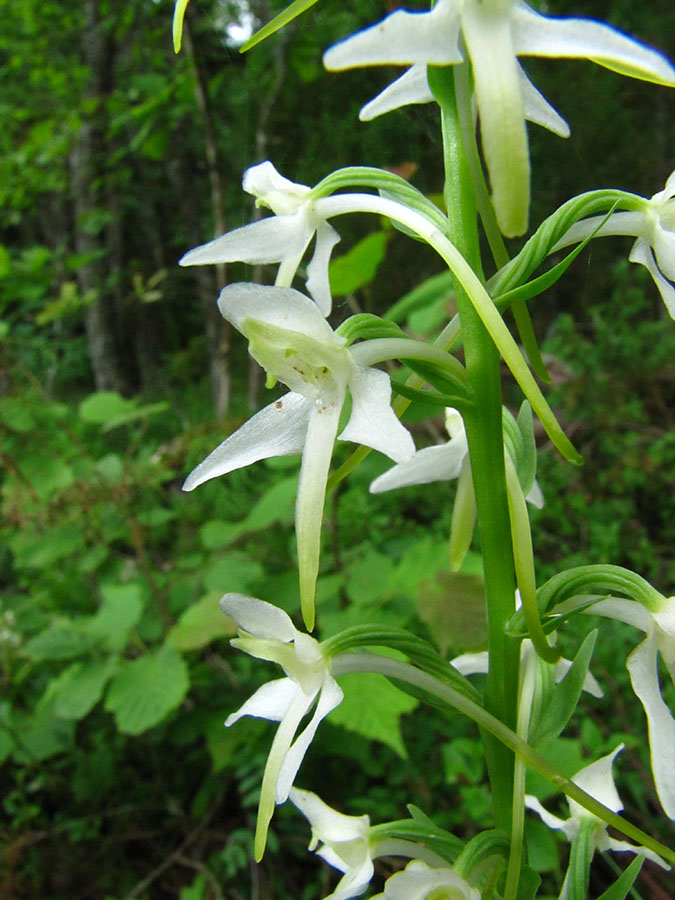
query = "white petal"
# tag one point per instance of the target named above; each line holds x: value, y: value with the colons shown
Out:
x: 279, y: 306
x: 591, y: 685
x: 608, y: 843
x: 419, y: 880
x: 354, y: 882
x: 328, y: 823
x: 628, y: 223
x: 628, y: 611
x: 411, y: 87
x: 598, y: 781
x: 663, y: 244
x: 471, y: 663
x: 277, y: 430
x: 273, y: 190
x: 535, y: 496
x: 642, y: 667
x: 316, y: 457
x: 567, y: 826
x: 402, y: 38
x: 536, y: 35
x: 271, y: 701
x: 269, y: 240
x: 642, y: 253
x: 317, y: 271
x: 538, y: 109
x: 258, y: 617
x: 373, y: 421
x: 331, y: 696
x: 487, y: 33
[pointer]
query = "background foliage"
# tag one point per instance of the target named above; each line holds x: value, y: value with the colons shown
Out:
x: 118, y: 778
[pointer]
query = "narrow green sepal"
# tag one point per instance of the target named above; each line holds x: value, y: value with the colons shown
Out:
x: 428, y: 397
x: 420, y: 830
x: 581, y: 854
x: 563, y: 699
x: 439, y: 379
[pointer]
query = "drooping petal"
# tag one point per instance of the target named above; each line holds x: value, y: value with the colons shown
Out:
x: 373, y: 421
x: 271, y: 701
x: 411, y: 87
x: 327, y: 823
x: 317, y: 271
x: 642, y: 667
x: 272, y: 190
x: 277, y: 430
x: 487, y: 32
x: 642, y: 253
x: 537, y: 35
x: 627, y: 611
x: 598, y: 781
x: 330, y: 696
x: 268, y: 240
x: 605, y: 842
x: 258, y: 617
x: 538, y: 109
x: 568, y: 826
x: 281, y: 307
x: 402, y: 38
x: 440, y: 463
x: 317, y: 453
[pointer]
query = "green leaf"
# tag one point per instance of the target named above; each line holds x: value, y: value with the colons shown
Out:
x: 277, y: 504
x: 453, y: 606
x: 145, y: 691
x: 216, y: 534
x: 372, y: 707
x: 42, y: 735
x: 64, y: 639
x: 619, y: 890
x: 358, y: 266
x: 200, y: 624
x: 283, y: 18
x: 581, y: 855
x: 564, y: 698
x: 437, y: 289
x: 6, y: 739
x: 120, y: 611
x: 104, y: 406
x: 235, y: 571
x: 78, y: 688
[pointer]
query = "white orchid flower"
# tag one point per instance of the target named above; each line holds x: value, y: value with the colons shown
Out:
x: 293, y: 342
x: 419, y: 881
x: 283, y: 237
x: 477, y: 664
x: 654, y: 228
x: 495, y: 33
x: 597, y: 780
x: 642, y: 665
x: 268, y: 633
x: 344, y: 840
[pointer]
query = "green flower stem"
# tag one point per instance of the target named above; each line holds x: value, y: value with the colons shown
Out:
x: 381, y: 349
x: 348, y: 663
x: 483, y: 424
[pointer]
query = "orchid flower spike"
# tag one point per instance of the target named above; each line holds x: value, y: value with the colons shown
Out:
x: 344, y: 840
x: 282, y: 238
x: 267, y: 632
x: 495, y: 33
x: 294, y: 343
x: 419, y: 881
x: 597, y: 780
x: 642, y: 664
x: 654, y: 228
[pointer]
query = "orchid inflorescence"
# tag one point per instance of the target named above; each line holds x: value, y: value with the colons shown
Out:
x: 530, y: 691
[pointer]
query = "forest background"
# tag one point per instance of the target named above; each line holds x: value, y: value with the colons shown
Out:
x: 117, y: 375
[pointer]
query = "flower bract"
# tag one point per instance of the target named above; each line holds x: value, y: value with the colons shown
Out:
x: 293, y: 342
x: 268, y: 633
x: 282, y: 238
x: 493, y: 34
x: 654, y: 228
x: 344, y: 843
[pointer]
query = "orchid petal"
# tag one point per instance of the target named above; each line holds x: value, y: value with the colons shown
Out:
x: 608, y: 843
x: 538, y: 109
x: 326, y: 822
x: 411, y: 87
x: 487, y: 33
x: 598, y: 781
x: 418, y: 880
x: 277, y: 430
x: 535, y: 496
x: 355, y: 880
x: 568, y: 826
x: 316, y: 456
x: 271, y: 701
x: 259, y: 618
x: 271, y: 189
x: 331, y: 696
x: 627, y: 611
x: 281, y: 307
x: 471, y: 663
x: 402, y: 38
x: 590, y: 685
x: 642, y: 253
x: 663, y: 243
x: 265, y: 241
x: 317, y: 271
x: 373, y: 421
x: 537, y: 35
x: 642, y: 667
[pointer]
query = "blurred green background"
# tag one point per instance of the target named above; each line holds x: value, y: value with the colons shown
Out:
x: 117, y: 376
